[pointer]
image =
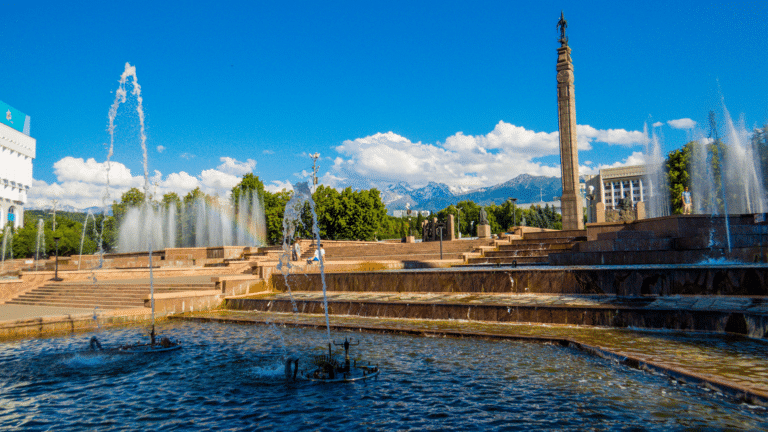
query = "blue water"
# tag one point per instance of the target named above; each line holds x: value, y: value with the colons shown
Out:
x: 230, y: 377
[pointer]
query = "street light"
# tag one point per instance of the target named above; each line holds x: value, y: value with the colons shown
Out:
x: 514, y: 213
x: 315, y: 167
x: 56, y: 238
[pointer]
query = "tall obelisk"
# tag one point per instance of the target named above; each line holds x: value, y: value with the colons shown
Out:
x: 571, y: 203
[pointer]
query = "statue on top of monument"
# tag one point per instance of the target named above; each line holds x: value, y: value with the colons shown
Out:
x: 561, y: 26
x: 483, y: 217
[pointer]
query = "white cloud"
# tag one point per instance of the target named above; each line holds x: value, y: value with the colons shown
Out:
x: 658, y: 124
x: 463, y: 160
x: 70, y: 169
x: 268, y: 152
x: 303, y: 174
x: 587, y: 134
x: 186, y: 156
x: 214, y: 181
x: 234, y: 167
x: 683, y: 123
x: 160, y: 149
x: 277, y: 186
x: 81, y: 183
x: 636, y: 158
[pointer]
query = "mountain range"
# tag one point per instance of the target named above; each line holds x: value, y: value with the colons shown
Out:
x: 436, y: 196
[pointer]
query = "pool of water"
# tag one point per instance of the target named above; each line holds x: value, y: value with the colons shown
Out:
x: 231, y: 377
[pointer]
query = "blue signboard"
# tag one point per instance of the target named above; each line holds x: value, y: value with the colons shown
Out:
x: 12, y: 117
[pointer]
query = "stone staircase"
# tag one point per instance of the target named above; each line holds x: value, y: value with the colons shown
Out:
x: 677, y: 239
x: 533, y: 248
x: 397, y: 251
x: 103, y: 295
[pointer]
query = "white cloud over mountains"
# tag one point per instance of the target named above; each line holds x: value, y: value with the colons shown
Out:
x: 82, y: 183
x: 463, y: 161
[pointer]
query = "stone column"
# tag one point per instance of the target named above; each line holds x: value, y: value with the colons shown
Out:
x: 450, y: 235
x: 640, y: 210
x: 572, y: 207
x: 599, y: 212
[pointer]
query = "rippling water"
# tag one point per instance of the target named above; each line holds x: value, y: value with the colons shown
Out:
x: 230, y: 377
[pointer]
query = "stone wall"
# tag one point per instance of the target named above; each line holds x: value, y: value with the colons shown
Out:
x: 627, y: 281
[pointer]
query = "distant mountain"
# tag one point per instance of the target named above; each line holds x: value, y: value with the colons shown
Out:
x: 436, y: 196
x: 525, y: 187
x: 69, y: 209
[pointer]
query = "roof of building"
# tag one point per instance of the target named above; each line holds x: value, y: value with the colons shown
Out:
x: 625, y: 171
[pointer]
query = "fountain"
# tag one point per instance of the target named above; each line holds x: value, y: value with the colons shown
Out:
x: 655, y: 177
x: 7, y: 234
x: 202, y: 222
x: 41, y: 242
x: 82, y: 238
x: 165, y: 344
x: 326, y: 367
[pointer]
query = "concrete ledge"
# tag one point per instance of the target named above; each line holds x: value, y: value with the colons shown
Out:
x: 185, y: 301
x: 624, y: 281
x: 238, y: 284
x: 47, y: 326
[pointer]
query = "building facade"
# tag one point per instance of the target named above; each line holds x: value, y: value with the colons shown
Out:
x: 17, y: 151
x: 613, y: 184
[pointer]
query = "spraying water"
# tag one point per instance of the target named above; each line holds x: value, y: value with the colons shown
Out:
x: 82, y: 238
x: 40, y: 242
x: 655, y: 176
x: 204, y: 222
x: 6, y: 235
x: 292, y: 220
x: 120, y: 98
x: 743, y: 180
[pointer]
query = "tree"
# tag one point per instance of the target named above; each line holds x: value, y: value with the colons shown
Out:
x: 678, y: 177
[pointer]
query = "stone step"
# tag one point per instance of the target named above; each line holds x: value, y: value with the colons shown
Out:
x: 80, y: 304
x: 509, y: 260
x: 118, y: 290
x: 132, y: 285
x: 517, y: 254
x: 548, y: 241
x: 537, y: 246
x: 555, y: 234
x: 110, y: 296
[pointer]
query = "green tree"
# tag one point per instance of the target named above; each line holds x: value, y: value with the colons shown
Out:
x: 677, y: 165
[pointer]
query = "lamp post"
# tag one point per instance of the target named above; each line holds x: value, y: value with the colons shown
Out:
x: 315, y: 168
x: 591, y: 199
x: 514, y: 213
x: 56, y: 238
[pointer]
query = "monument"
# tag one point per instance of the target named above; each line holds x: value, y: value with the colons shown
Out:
x: 483, y: 227
x: 572, y: 206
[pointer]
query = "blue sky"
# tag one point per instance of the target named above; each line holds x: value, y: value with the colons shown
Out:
x: 452, y: 92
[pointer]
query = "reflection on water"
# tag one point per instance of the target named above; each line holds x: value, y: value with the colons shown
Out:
x: 231, y: 376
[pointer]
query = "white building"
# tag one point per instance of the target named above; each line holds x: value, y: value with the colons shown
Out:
x: 17, y: 150
x: 612, y: 184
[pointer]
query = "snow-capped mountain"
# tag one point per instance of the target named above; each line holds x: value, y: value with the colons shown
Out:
x: 436, y: 196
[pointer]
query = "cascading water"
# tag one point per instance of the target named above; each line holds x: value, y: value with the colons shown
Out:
x: 40, y: 242
x: 202, y: 222
x: 655, y: 177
